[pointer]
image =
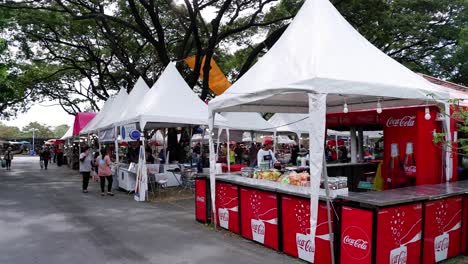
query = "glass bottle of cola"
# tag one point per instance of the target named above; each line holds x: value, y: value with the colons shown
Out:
x: 409, y: 164
x: 395, y: 176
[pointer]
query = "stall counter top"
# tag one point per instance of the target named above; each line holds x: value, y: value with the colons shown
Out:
x: 272, y: 186
x: 330, y: 165
x: 407, y: 194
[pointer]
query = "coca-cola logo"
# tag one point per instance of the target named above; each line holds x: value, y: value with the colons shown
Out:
x: 442, y: 245
x: 410, y: 169
x: 258, y: 229
x: 400, y: 258
x: 200, y: 199
x: 356, y: 243
x: 406, y: 121
x: 224, y: 216
x: 304, y: 244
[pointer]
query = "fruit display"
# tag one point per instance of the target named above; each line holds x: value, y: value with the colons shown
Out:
x: 294, y: 178
x: 270, y: 175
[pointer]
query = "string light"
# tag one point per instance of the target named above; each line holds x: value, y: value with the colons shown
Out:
x: 379, y: 107
x: 345, y: 108
x: 427, y: 115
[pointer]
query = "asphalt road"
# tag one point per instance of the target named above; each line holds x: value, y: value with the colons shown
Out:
x: 44, y: 218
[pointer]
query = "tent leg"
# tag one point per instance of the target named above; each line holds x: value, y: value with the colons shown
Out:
x: 212, y: 168
x: 353, y: 145
x: 275, y: 141
x: 116, y: 142
x: 329, y: 216
x: 228, y: 152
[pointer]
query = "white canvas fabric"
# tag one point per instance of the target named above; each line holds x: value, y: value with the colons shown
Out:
x: 171, y: 102
x: 246, y: 121
x: 320, y: 52
x: 287, y: 122
x: 134, y: 98
x: 109, y: 118
x: 92, y: 125
x: 68, y: 134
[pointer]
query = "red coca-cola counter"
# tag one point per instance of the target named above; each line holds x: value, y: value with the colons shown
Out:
x: 464, y: 227
x: 202, y: 199
x: 420, y: 224
x: 273, y: 214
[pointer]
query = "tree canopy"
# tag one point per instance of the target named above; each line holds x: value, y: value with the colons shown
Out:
x: 83, y: 51
x: 41, y: 131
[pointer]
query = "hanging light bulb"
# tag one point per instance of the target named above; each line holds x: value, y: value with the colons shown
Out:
x: 427, y: 115
x: 379, y: 107
x: 345, y: 108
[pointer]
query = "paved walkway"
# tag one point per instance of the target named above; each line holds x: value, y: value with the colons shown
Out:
x: 44, y: 218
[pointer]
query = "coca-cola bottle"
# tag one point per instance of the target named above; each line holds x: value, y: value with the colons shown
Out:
x: 410, y: 164
x: 395, y: 174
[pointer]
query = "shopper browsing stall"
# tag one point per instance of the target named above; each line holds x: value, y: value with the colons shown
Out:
x: 265, y: 156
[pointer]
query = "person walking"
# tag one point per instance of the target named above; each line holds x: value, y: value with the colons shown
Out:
x: 8, y: 157
x: 45, y: 156
x: 86, y: 157
x: 104, y: 172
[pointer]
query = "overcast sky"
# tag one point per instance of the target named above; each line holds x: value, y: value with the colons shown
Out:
x: 43, y: 113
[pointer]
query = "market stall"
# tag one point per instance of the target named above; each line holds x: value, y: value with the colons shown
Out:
x: 270, y: 213
x: 159, y: 108
x: 321, y: 64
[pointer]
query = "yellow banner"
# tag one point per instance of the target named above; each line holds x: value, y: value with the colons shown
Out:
x: 218, y: 82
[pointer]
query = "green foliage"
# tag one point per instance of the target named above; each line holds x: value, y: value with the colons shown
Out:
x: 60, y: 130
x: 9, y: 132
x: 41, y: 131
x: 79, y: 52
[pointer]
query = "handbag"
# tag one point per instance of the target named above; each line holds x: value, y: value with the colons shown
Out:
x: 3, y: 163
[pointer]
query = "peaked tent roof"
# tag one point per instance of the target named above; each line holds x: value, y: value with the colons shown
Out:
x: 116, y: 107
x: 81, y: 120
x: 246, y: 121
x: 134, y: 98
x: 92, y: 125
x: 171, y: 102
x: 320, y: 52
x: 68, y: 134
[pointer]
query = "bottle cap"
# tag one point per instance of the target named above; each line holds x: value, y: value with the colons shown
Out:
x: 394, y: 152
x: 409, y: 148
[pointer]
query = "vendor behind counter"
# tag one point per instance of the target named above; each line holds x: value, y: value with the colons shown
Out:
x: 265, y: 156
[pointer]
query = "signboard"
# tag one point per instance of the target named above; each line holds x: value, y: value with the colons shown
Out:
x: 126, y: 130
x: 107, y: 135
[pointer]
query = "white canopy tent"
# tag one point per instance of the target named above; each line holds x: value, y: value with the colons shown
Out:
x: 117, y: 106
x: 320, y: 63
x: 170, y: 103
x: 136, y: 95
x: 95, y: 122
x: 68, y: 134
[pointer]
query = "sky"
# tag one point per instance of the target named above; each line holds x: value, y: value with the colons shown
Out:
x: 46, y: 113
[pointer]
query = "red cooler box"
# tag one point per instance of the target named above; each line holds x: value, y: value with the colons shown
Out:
x: 382, y: 227
x: 227, y: 206
x: 295, y: 212
x: 202, y: 200
x: 259, y: 216
x: 442, y: 229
